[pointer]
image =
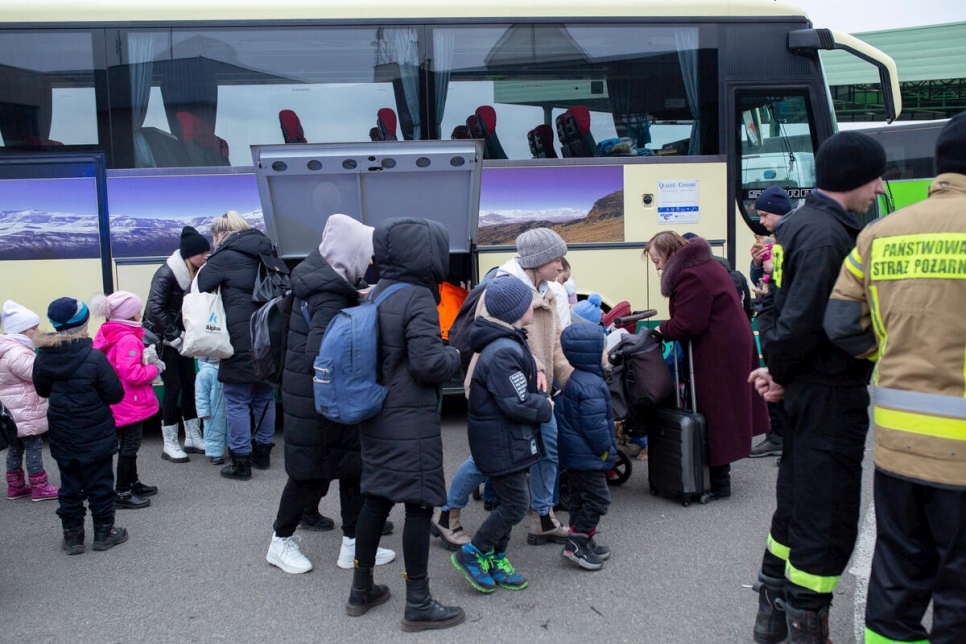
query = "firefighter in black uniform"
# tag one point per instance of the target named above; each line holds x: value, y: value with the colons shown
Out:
x: 825, y: 397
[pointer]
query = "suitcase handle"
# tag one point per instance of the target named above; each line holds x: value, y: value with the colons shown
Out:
x: 677, y: 379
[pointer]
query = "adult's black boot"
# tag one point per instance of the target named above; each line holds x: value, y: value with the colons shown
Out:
x: 770, y: 626
x: 106, y: 536
x: 73, y: 543
x: 364, y: 594
x: 425, y: 613
x: 240, y: 468
x: 130, y: 501
x: 806, y: 626
x: 262, y: 456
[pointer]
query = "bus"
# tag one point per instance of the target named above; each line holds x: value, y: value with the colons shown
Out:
x: 910, y: 162
x: 608, y: 121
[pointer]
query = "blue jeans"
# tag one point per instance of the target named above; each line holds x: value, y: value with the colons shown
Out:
x: 260, y: 397
x: 543, y: 475
x: 468, y: 477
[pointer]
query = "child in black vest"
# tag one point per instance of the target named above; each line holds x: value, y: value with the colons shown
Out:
x: 505, y: 411
x: 81, y: 386
x: 586, y: 442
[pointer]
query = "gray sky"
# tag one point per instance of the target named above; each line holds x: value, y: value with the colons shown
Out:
x: 855, y: 16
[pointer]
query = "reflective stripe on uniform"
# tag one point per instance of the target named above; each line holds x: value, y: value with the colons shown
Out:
x: 915, y: 401
x: 919, y: 256
x: 777, y: 549
x: 777, y: 258
x: 878, y: 327
x: 853, y: 262
x: 871, y: 637
x: 917, y: 423
x: 815, y: 583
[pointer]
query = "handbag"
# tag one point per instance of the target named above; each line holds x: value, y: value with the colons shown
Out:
x: 205, y: 324
x: 647, y: 379
x: 8, y: 428
x: 271, y: 280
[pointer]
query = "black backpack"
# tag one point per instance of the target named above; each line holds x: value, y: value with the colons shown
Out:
x: 459, y: 333
x: 272, y: 280
x: 269, y: 328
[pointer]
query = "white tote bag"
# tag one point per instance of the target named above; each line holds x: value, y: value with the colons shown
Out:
x: 205, y: 326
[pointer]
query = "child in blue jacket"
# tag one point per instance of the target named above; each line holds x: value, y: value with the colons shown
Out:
x: 210, y: 400
x: 586, y: 442
x: 505, y: 412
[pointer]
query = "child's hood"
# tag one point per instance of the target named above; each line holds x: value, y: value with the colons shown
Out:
x: 111, y: 333
x: 61, y: 354
x: 486, y: 329
x: 8, y: 343
x: 583, y: 346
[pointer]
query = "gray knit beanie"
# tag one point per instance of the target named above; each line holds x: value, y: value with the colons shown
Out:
x: 539, y: 246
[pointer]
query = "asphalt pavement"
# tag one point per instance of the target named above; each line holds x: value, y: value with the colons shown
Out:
x: 194, y: 569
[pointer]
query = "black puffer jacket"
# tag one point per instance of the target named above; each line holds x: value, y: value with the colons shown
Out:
x: 505, y: 410
x: 402, y: 451
x: 234, y: 266
x: 81, y: 386
x: 162, y: 313
x: 315, y: 448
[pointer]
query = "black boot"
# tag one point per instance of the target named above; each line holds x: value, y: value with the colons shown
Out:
x: 425, y: 613
x: 806, y: 626
x: 364, y: 594
x: 130, y: 501
x: 106, y: 536
x: 261, y: 456
x: 73, y: 543
x: 137, y: 486
x: 721, y: 482
x: 770, y: 626
x: 240, y: 468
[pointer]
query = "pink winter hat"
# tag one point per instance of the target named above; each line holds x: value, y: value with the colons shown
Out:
x: 119, y: 305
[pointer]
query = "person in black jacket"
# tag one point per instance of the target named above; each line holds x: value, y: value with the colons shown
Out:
x: 317, y: 450
x: 81, y: 386
x: 505, y: 411
x: 233, y: 267
x: 825, y: 395
x: 162, y: 317
x: 402, y: 448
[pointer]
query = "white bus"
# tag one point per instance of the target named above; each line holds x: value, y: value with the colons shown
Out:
x: 608, y: 120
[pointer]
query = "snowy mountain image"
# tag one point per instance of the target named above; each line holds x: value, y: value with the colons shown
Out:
x: 35, y: 234
x: 556, y: 215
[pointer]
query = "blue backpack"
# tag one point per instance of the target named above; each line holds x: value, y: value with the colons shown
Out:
x: 345, y: 384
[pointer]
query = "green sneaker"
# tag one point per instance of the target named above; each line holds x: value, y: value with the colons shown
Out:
x: 505, y: 575
x: 475, y: 566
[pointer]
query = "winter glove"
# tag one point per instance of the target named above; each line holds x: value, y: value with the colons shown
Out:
x: 161, y: 366
x: 149, y: 355
x: 176, y: 343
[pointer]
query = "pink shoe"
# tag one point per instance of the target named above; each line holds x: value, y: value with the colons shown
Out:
x: 16, y: 487
x: 39, y: 489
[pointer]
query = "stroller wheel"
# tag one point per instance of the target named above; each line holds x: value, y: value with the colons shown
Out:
x: 621, y: 471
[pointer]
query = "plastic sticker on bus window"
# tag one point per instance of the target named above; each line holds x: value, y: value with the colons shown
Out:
x: 677, y: 202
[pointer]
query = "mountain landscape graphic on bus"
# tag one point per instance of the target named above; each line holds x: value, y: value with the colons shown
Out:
x: 36, y: 234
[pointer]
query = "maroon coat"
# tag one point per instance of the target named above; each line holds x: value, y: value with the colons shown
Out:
x: 706, y: 310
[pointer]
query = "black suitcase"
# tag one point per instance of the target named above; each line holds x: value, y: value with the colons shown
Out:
x: 677, y: 446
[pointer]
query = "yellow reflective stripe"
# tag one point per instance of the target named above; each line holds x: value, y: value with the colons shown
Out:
x: 854, y: 263
x: 907, y: 421
x: 871, y: 637
x: 777, y: 258
x: 879, y: 327
x: 777, y: 549
x: 920, y: 256
x: 815, y: 583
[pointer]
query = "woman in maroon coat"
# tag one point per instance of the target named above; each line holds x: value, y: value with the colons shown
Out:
x: 706, y: 310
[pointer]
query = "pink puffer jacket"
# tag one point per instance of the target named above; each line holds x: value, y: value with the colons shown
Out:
x: 17, y: 387
x: 123, y: 346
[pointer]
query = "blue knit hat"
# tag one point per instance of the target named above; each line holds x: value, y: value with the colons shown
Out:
x: 66, y: 313
x: 587, y: 311
x: 507, y: 298
x: 773, y: 200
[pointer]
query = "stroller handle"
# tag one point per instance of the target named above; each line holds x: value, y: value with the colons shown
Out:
x: 635, y: 317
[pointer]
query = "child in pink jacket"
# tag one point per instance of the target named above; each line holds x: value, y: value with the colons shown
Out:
x: 28, y: 409
x: 120, y: 338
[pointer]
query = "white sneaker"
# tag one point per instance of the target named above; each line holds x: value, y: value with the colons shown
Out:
x: 347, y: 555
x: 285, y: 554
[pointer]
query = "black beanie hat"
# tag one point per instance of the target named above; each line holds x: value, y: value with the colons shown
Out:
x: 507, y: 298
x: 848, y: 160
x: 773, y: 200
x: 192, y: 243
x: 951, y: 146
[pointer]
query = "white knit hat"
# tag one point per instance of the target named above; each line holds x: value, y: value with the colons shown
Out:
x: 17, y: 318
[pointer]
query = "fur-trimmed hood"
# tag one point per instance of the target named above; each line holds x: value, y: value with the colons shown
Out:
x: 57, y: 339
x: 181, y: 273
x: 696, y: 252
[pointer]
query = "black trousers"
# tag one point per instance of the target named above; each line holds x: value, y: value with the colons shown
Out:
x: 303, y: 496
x: 589, y: 499
x: 179, y: 383
x: 815, y: 523
x: 920, y: 554
x: 93, y: 482
x: 775, y: 416
x: 514, y: 494
x: 129, y: 442
x: 415, y: 540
